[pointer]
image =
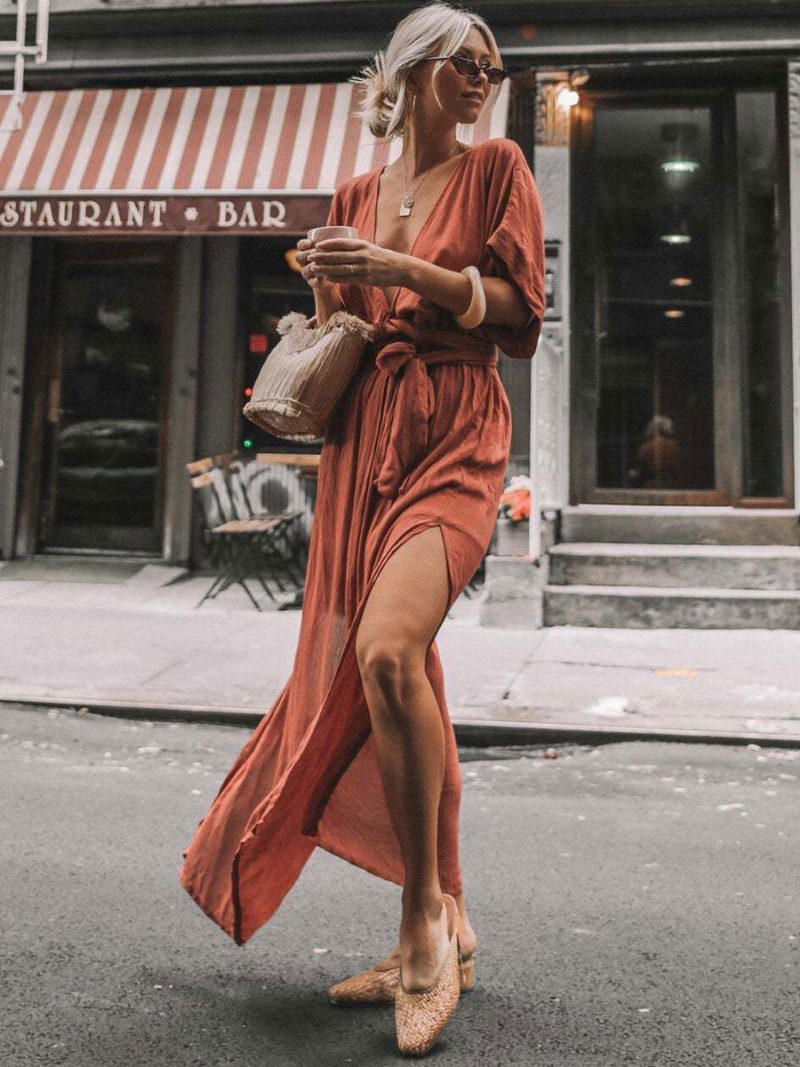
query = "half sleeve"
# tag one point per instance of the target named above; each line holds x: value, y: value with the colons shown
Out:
x: 514, y: 247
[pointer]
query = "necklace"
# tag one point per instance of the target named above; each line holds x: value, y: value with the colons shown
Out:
x: 407, y: 202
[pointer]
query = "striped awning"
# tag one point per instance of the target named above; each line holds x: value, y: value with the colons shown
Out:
x: 222, y: 159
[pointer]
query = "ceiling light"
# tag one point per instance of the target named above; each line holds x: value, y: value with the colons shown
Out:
x: 680, y: 155
x: 674, y: 313
x: 568, y: 97
x: 680, y: 282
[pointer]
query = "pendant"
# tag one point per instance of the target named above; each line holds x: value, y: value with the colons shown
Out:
x: 406, y: 205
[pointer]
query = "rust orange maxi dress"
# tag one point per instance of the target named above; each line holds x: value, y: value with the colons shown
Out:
x: 421, y: 438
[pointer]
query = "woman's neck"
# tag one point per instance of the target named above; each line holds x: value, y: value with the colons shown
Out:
x: 422, y: 153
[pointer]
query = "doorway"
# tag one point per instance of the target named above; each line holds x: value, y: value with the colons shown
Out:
x: 99, y: 359
x: 681, y: 384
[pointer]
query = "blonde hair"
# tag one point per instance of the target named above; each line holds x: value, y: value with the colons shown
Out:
x: 433, y: 30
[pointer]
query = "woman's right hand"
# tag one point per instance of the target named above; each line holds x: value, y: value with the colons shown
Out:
x: 321, y: 285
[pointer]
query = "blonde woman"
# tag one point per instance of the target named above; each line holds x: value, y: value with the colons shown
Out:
x: 357, y: 755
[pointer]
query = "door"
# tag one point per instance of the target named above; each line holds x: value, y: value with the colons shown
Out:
x: 679, y: 385
x: 104, y: 347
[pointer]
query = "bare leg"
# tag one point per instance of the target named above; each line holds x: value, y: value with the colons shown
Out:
x: 405, y: 609
x: 466, y: 936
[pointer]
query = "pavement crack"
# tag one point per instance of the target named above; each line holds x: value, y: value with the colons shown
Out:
x: 616, y: 666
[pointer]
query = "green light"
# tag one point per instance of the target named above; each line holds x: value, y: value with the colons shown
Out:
x: 247, y: 443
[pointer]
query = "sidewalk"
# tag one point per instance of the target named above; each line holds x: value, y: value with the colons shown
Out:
x: 140, y: 646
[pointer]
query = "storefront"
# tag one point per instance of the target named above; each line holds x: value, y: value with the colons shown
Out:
x: 668, y: 382
x: 148, y: 237
x: 663, y: 404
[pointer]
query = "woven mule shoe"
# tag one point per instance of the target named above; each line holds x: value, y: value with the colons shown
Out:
x: 379, y: 987
x: 420, y: 1016
x: 369, y: 987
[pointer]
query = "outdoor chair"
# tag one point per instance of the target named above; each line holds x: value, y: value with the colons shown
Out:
x: 241, y: 543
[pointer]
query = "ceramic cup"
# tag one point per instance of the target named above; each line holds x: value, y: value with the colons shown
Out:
x: 322, y: 233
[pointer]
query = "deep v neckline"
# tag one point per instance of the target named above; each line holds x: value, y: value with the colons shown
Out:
x: 376, y: 185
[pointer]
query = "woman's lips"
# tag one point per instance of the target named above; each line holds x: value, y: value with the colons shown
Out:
x: 474, y: 96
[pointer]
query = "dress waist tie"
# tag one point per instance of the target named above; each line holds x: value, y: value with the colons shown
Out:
x: 405, y: 435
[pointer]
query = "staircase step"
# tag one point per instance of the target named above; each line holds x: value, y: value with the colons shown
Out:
x: 698, y: 607
x: 646, y: 524
x: 766, y: 567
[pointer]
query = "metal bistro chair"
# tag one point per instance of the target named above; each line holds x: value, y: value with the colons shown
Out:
x: 247, y: 481
x: 241, y: 544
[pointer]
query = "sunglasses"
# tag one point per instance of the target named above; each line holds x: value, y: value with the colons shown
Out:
x: 468, y: 68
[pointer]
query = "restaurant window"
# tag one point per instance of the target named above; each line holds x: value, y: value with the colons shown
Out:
x: 272, y: 288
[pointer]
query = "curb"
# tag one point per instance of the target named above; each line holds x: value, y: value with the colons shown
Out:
x: 470, y: 733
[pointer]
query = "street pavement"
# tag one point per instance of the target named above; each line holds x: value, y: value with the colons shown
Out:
x: 144, y: 644
x: 635, y: 903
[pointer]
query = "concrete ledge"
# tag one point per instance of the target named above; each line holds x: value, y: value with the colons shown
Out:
x: 651, y: 607
x: 680, y: 525
x: 470, y: 733
x: 513, y: 592
x: 718, y: 566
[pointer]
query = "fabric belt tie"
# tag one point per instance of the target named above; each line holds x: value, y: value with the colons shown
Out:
x: 406, y: 434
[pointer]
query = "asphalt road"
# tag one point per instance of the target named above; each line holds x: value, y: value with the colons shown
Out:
x: 635, y: 903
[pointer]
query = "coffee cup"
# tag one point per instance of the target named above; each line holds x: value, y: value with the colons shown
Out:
x: 323, y: 233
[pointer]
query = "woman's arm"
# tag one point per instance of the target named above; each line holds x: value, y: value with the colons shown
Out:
x: 325, y: 302
x: 452, y: 290
x: 386, y: 268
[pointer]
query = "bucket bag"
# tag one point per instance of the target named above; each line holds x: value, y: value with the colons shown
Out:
x: 306, y: 373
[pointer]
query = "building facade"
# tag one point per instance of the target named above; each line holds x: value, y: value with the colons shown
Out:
x: 172, y: 155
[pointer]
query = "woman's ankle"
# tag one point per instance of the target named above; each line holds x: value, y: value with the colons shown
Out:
x: 422, y: 901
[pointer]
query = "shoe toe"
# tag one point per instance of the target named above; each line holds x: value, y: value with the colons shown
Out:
x: 369, y: 987
x: 421, y: 1016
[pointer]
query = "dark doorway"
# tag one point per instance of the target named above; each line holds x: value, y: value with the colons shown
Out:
x: 100, y: 356
x: 679, y: 358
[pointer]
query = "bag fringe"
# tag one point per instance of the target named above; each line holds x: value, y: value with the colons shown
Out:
x: 296, y: 320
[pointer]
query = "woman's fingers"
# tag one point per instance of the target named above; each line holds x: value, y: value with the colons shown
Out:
x: 343, y: 244
x: 303, y: 247
x: 333, y: 258
x: 337, y: 270
x: 336, y: 251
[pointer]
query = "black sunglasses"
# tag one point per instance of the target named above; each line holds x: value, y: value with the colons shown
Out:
x: 468, y: 68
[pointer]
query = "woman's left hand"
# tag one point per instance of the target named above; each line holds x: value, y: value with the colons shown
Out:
x: 353, y: 261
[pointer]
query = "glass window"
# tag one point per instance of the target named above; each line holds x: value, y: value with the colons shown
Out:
x: 652, y: 190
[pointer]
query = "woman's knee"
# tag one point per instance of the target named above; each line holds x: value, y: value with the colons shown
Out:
x: 389, y: 663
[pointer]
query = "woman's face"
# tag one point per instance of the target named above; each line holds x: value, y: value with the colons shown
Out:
x: 460, y: 99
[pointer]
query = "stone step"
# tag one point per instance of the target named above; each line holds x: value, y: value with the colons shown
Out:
x: 643, y: 607
x: 647, y: 524
x: 721, y: 566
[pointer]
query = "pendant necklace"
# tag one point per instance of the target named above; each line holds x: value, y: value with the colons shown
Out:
x: 408, y: 199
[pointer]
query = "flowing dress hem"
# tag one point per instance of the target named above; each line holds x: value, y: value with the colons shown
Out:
x: 240, y: 930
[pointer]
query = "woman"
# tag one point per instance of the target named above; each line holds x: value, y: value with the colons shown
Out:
x: 357, y: 754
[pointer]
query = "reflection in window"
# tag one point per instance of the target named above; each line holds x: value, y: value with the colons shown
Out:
x: 653, y: 317
x: 106, y: 398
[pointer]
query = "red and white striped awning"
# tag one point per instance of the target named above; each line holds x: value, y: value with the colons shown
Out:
x: 214, y: 159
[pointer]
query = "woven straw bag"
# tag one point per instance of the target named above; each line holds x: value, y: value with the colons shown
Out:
x: 306, y: 373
